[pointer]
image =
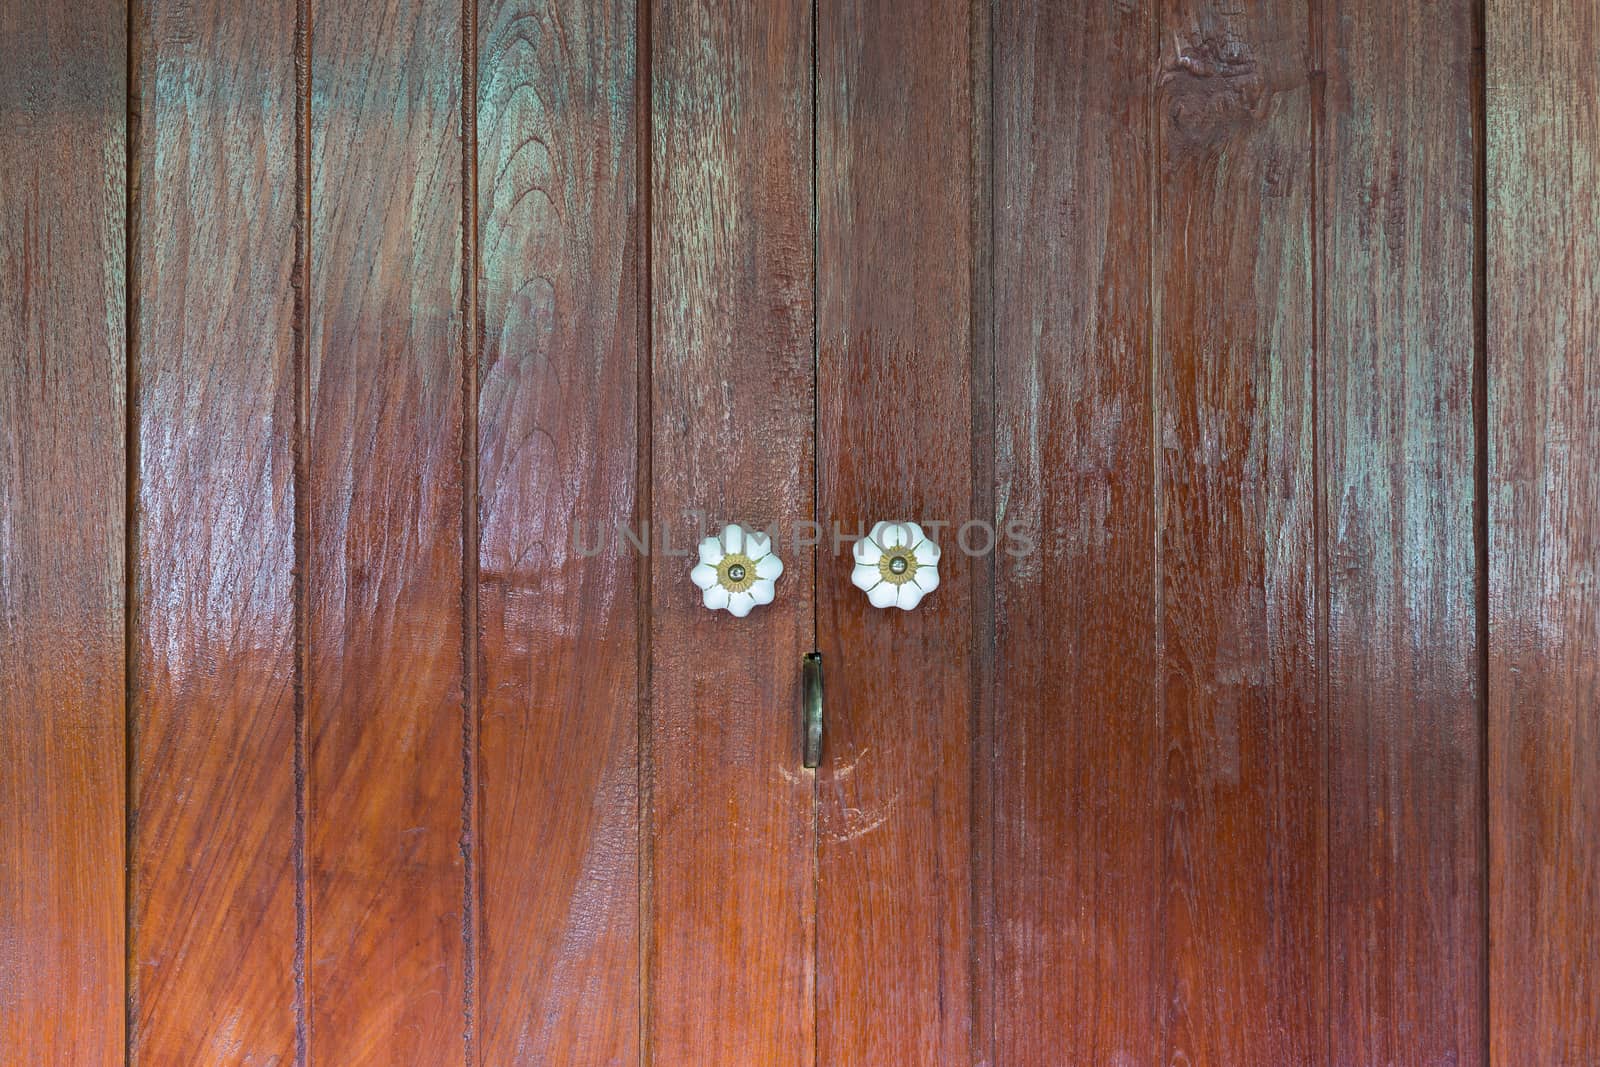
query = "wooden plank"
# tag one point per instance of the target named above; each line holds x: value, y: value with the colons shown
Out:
x: 1544, y: 529
x: 1077, y: 738
x: 214, y: 898
x: 730, y: 839
x: 62, y: 493
x: 1396, y: 364
x: 1245, y: 861
x: 557, y: 155
x: 385, y: 567
x: 895, y: 188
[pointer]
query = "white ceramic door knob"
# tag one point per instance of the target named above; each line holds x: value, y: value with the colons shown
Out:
x: 896, y: 565
x: 737, y: 570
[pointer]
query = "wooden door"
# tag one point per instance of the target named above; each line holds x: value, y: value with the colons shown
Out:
x: 369, y: 372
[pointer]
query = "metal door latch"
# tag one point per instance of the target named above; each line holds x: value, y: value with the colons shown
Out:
x: 812, y: 703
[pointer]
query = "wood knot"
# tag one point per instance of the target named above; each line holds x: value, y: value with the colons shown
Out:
x: 1211, y: 87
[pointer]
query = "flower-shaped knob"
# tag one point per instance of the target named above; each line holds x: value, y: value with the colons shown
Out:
x: 896, y: 565
x: 737, y: 570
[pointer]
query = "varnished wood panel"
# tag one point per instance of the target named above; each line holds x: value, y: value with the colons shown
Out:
x: 1397, y: 162
x: 1078, y: 757
x: 557, y: 428
x: 1243, y: 871
x: 730, y: 964
x: 214, y: 897
x: 1544, y: 529
x: 895, y: 187
x: 62, y: 493
x: 384, y: 579
x: 1243, y: 351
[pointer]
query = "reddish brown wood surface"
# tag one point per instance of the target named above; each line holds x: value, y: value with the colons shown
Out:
x: 557, y: 426
x: 730, y: 846
x: 1397, y: 163
x: 1544, y: 530
x: 1078, y: 756
x: 384, y: 684
x: 1243, y: 872
x: 62, y: 466
x: 214, y: 906
x: 895, y: 187
x: 432, y: 297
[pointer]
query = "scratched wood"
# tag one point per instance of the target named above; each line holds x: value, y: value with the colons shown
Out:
x: 557, y: 440
x: 1544, y: 529
x: 62, y: 456
x: 1244, y: 864
x: 730, y: 839
x: 384, y: 685
x: 895, y: 182
x: 1078, y: 755
x: 1398, y: 255
x: 214, y: 894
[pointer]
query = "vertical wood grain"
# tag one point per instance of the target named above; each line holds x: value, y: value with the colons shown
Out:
x: 557, y: 429
x: 1396, y: 194
x: 895, y: 187
x: 1244, y: 866
x: 1544, y: 529
x: 62, y: 507
x: 731, y: 901
x: 1078, y: 736
x: 214, y: 921
x: 384, y: 580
